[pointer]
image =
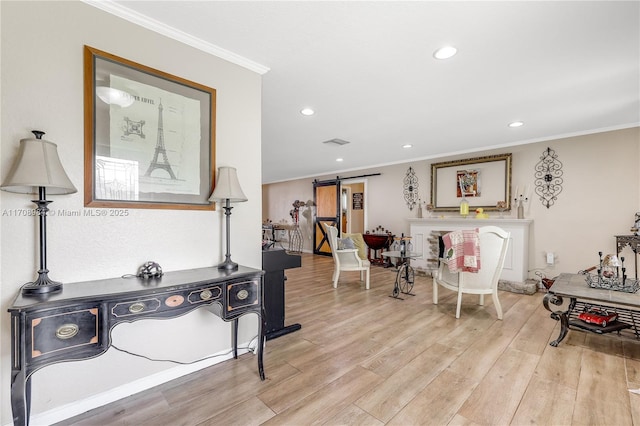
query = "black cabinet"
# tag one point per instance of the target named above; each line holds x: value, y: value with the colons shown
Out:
x: 274, y: 262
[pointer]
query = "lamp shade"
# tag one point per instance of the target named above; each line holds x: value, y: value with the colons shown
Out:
x: 227, y: 186
x: 38, y: 165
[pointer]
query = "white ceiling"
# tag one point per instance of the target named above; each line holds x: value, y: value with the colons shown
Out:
x: 564, y: 68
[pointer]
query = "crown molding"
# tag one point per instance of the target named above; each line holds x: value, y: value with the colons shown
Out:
x: 160, y: 28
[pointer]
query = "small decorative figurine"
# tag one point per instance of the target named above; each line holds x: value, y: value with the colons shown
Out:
x: 636, y: 226
x: 480, y: 214
x: 429, y: 208
x: 501, y: 206
x: 610, y: 266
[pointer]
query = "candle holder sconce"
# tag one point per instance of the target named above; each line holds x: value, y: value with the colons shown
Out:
x: 520, y: 200
x: 608, y: 275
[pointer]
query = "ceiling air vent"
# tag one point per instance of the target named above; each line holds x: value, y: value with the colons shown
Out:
x: 336, y: 141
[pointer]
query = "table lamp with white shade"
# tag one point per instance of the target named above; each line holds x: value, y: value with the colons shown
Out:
x: 38, y: 170
x: 228, y: 190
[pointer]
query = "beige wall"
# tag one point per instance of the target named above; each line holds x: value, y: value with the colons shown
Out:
x: 599, y: 199
x: 42, y: 88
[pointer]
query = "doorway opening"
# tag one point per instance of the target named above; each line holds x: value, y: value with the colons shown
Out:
x: 339, y: 203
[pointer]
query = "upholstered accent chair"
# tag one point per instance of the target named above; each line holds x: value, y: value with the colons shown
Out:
x: 346, y: 259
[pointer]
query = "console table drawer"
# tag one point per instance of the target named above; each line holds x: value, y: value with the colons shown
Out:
x: 205, y: 295
x: 136, y: 307
x: 63, y: 331
x: 242, y: 295
x: 165, y: 302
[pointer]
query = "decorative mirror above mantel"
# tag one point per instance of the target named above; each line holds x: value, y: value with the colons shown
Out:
x: 483, y: 181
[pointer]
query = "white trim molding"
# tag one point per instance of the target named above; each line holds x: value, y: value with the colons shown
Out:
x: 160, y: 28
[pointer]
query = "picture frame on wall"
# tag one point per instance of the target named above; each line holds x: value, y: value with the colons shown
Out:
x: 149, y: 136
x: 358, y: 201
x: 483, y: 180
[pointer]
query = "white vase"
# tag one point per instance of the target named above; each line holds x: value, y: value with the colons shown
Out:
x: 520, y: 210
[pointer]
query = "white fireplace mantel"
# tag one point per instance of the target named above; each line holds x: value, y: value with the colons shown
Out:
x: 516, y: 264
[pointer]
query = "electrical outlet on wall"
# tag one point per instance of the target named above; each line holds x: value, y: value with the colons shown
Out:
x: 550, y: 258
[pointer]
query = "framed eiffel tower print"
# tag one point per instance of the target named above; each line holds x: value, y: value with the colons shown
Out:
x: 149, y: 136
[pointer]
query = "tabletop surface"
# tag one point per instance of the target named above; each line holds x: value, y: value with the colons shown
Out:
x: 396, y: 253
x: 575, y: 285
x: 106, y: 288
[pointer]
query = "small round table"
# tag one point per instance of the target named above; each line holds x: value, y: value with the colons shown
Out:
x: 405, y: 277
x: 377, y: 242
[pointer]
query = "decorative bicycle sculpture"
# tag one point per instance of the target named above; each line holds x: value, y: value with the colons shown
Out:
x: 405, y: 277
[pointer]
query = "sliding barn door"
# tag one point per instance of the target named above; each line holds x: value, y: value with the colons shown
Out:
x: 327, y: 198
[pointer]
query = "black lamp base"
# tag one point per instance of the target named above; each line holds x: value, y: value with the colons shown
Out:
x: 228, y: 265
x: 43, y: 285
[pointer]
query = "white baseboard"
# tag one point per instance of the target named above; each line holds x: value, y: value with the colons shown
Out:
x: 82, y: 406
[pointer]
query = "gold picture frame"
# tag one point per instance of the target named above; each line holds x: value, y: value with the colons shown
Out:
x: 491, y: 182
x: 149, y: 136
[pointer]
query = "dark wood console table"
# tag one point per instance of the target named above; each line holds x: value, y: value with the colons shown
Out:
x: 76, y: 323
x: 575, y: 289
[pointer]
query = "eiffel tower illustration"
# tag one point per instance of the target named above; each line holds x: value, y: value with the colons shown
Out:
x: 160, y: 149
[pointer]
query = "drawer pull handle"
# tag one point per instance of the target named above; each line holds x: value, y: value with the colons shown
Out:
x: 67, y: 331
x: 242, y: 294
x: 136, y: 308
x: 206, y: 295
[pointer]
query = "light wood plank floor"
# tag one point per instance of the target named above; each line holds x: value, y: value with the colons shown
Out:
x: 363, y: 358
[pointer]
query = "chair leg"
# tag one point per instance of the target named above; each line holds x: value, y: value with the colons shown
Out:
x: 481, y: 302
x: 336, y: 275
x: 496, y: 302
x: 367, y: 279
x: 435, y: 292
x: 459, y: 304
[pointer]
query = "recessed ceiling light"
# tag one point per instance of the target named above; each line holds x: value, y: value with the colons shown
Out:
x: 339, y: 159
x: 516, y: 124
x: 407, y: 145
x: 445, y: 52
x: 307, y: 111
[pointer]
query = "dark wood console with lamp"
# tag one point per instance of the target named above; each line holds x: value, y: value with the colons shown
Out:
x: 76, y: 323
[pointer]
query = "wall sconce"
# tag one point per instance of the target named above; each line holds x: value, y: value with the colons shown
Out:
x: 228, y: 190
x: 36, y: 170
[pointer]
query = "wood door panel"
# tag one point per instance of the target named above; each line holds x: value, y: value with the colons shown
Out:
x: 327, y: 210
x: 327, y: 201
x: 321, y: 242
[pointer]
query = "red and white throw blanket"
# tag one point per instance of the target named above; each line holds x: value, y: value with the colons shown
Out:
x: 462, y: 250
